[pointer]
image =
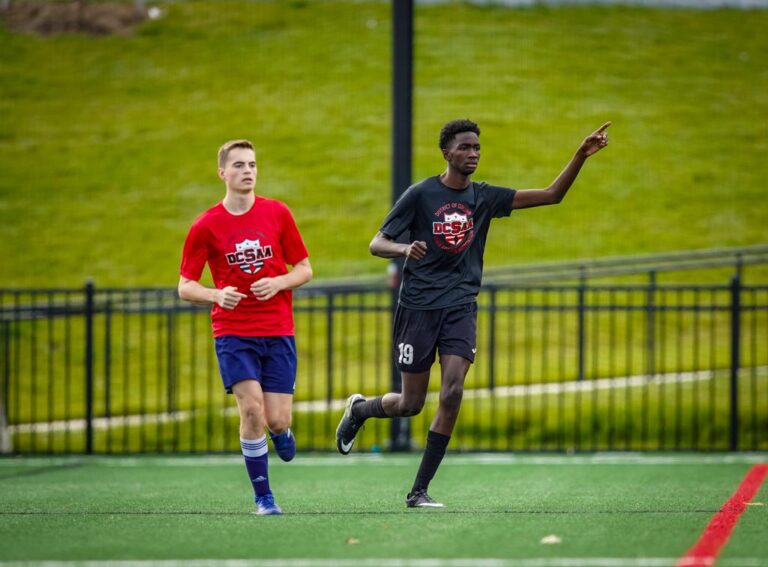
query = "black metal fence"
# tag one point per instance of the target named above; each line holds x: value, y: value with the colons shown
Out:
x: 578, y: 366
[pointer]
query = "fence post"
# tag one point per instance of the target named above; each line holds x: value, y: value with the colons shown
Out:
x: 170, y: 362
x: 735, y: 359
x: 650, y: 325
x: 329, y: 348
x: 492, y: 340
x: 581, y: 321
x: 6, y: 441
x: 89, y: 311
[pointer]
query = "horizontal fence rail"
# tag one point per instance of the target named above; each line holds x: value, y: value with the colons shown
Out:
x: 578, y: 367
x: 736, y: 259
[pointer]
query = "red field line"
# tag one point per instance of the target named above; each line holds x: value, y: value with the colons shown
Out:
x: 716, y: 534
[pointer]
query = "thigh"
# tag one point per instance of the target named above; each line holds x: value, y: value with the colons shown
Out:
x: 415, y: 385
x: 453, y: 370
x: 458, y: 332
x: 278, y: 365
x: 238, y: 360
x: 415, y: 339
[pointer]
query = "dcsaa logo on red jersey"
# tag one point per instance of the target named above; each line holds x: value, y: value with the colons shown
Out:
x: 249, y: 255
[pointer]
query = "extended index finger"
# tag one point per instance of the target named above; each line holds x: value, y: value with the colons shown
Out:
x: 603, y: 127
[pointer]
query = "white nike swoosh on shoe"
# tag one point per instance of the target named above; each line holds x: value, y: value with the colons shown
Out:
x: 346, y: 447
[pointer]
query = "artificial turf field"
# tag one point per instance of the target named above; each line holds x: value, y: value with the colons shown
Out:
x: 606, y: 509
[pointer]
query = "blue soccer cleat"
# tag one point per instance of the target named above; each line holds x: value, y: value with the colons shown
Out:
x: 265, y: 506
x: 285, y: 445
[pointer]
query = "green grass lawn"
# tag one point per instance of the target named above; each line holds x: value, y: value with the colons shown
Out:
x: 630, y: 508
x: 107, y: 145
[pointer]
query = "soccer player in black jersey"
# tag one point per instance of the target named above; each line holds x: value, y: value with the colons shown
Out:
x: 448, y: 217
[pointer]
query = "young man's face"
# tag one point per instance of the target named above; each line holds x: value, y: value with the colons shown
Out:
x: 239, y: 173
x: 463, y: 153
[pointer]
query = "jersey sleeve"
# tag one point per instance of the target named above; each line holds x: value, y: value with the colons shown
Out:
x: 401, y: 216
x: 195, y: 253
x: 294, y: 249
x: 500, y: 200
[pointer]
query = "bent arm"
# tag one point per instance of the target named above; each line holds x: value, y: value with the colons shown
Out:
x: 267, y: 288
x: 195, y: 292
x: 385, y: 247
x: 300, y: 273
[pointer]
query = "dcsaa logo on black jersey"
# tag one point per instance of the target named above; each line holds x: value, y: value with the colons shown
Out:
x: 249, y: 255
x: 455, y: 230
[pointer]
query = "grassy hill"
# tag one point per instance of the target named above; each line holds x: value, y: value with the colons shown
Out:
x: 107, y: 145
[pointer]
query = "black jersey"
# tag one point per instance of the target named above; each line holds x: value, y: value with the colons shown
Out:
x: 454, y: 224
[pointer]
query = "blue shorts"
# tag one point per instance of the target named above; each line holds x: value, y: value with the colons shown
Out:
x: 271, y: 361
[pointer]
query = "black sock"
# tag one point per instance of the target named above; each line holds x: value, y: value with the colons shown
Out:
x: 369, y: 408
x: 433, y: 456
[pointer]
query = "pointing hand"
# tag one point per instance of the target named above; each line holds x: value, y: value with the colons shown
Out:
x: 595, y: 142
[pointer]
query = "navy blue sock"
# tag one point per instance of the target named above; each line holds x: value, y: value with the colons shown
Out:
x: 256, y: 460
x: 433, y: 456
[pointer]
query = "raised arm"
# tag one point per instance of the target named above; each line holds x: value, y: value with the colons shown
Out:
x: 384, y: 247
x: 553, y: 194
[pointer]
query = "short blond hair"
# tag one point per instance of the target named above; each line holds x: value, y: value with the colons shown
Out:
x: 231, y: 145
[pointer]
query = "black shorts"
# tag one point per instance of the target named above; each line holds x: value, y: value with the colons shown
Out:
x: 418, y: 334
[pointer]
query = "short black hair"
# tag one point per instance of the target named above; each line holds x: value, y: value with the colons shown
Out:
x: 454, y: 127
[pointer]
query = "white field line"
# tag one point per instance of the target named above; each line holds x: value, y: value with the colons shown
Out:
x: 395, y: 562
x: 379, y: 460
x: 552, y: 388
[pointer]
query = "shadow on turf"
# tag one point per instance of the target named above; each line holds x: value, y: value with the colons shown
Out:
x: 39, y: 471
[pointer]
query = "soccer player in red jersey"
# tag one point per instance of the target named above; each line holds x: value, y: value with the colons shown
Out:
x: 248, y: 241
x: 448, y: 217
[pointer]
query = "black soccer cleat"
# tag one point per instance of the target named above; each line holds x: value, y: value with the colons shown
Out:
x: 420, y: 499
x: 348, y: 426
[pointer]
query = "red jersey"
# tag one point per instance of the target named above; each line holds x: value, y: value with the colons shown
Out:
x: 239, y: 250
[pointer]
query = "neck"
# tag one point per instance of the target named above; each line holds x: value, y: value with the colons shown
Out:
x: 454, y: 179
x: 238, y: 202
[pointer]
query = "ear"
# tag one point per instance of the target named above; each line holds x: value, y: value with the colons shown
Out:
x: 446, y: 151
x: 221, y: 174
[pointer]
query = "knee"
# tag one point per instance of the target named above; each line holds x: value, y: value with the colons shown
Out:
x: 409, y: 408
x: 278, y: 424
x: 450, y: 397
x: 252, y: 413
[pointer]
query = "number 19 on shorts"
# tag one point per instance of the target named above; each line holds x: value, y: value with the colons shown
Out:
x: 406, y: 353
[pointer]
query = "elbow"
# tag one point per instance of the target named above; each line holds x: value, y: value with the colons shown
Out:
x: 375, y: 247
x: 309, y: 275
x: 182, y: 291
x: 554, y: 197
